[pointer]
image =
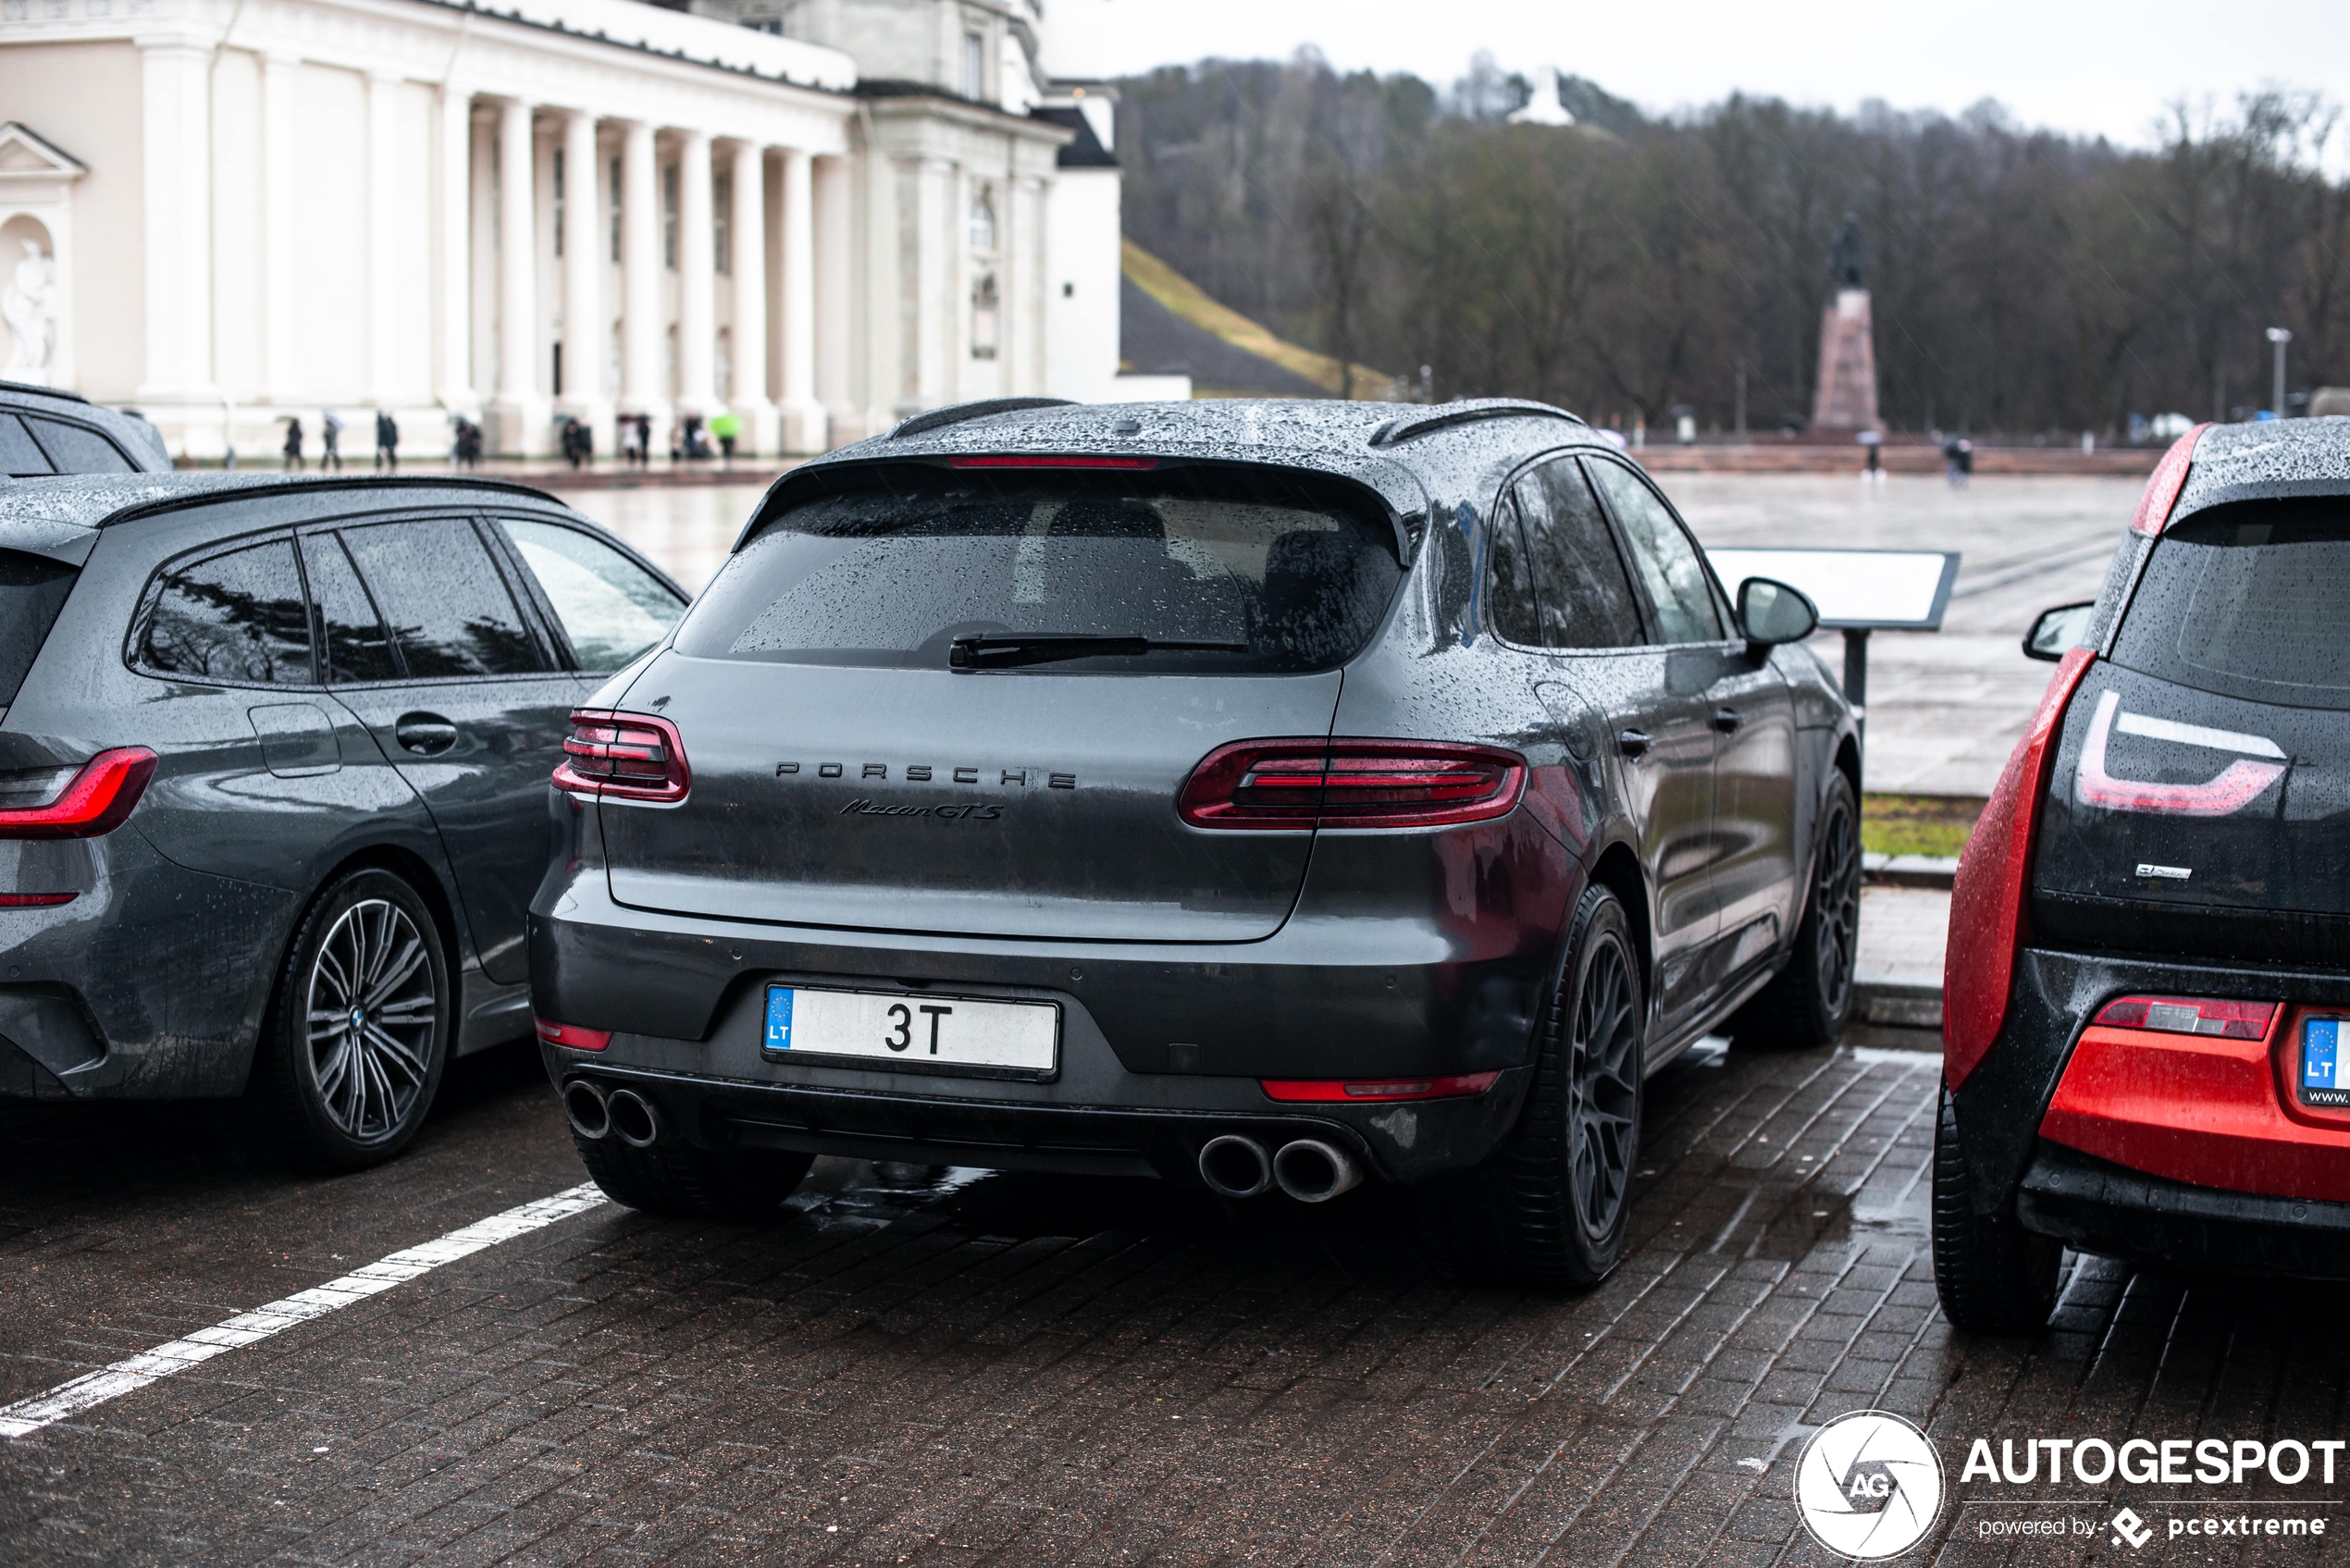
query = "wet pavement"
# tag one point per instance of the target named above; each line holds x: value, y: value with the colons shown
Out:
x: 967, y: 1368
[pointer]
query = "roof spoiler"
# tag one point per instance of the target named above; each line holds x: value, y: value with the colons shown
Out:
x: 1445, y: 416
x: 955, y: 413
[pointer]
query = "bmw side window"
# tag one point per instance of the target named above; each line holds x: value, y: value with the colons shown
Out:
x: 1667, y: 562
x: 1587, y: 600
x: 20, y: 458
x: 611, y: 608
x: 449, y: 610
x: 75, y: 450
x: 1511, y: 605
x: 238, y: 617
x: 356, y: 646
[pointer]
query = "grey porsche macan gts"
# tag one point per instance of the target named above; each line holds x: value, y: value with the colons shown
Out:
x: 1264, y: 795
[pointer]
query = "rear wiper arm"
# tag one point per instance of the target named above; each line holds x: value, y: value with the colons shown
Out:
x: 1009, y: 651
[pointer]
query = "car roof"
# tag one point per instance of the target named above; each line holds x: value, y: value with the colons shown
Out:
x: 60, y: 516
x: 2271, y: 459
x: 1405, y: 452
x: 26, y: 389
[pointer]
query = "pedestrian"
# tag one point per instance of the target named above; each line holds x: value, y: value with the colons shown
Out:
x: 1966, y: 461
x: 469, y: 444
x: 1950, y: 461
x: 330, y: 440
x: 387, y: 441
x: 1872, y: 465
x: 726, y: 427
x: 293, y: 444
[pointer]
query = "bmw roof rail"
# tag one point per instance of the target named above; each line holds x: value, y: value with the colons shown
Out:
x: 1412, y: 425
x: 42, y: 391
x: 955, y: 413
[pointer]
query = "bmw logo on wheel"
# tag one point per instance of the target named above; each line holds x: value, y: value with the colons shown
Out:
x: 1868, y: 1484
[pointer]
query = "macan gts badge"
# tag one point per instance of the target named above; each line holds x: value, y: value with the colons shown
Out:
x: 1434, y: 795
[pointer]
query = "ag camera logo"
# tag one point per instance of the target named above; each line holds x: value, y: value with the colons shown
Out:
x: 1869, y: 1486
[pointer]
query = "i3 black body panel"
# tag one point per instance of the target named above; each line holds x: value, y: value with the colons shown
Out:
x: 1015, y: 834
x: 273, y: 773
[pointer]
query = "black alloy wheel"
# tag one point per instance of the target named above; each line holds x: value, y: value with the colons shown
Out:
x: 1810, y: 1001
x: 1551, y: 1204
x: 359, y: 1027
x: 1993, y: 1276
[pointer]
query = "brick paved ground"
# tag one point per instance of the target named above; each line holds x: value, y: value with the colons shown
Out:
x: 1014, y: 1370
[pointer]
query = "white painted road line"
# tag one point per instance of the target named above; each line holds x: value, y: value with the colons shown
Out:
x: 124, y: 1377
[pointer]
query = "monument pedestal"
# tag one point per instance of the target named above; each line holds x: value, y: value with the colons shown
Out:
x: 1846, y: 395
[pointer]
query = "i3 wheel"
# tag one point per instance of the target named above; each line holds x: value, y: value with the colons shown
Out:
x: 1810, y: 1001
x: 359, y: 1029
x: 1993, y: 1276
x: 1551, y: 1205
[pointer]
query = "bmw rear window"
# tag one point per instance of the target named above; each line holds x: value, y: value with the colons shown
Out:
x: 33, y: 589
x: 2247, y: 601
x: 1202, y: 569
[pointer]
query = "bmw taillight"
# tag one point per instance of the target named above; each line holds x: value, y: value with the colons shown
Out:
x: 1987, y: 898
x: 97, y: 799
x: 1331, y: 1090
x: 623, y: 757
x: 2189, y: 1015
x: 1350, y: 784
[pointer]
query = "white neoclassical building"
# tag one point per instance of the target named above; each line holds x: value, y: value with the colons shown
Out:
x: 223, y: 211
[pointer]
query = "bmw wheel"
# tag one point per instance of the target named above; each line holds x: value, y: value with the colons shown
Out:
x: 359, y: 1029
x: 1551, y: 1206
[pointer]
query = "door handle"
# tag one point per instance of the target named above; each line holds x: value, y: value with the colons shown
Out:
x: 1632, y: 743
x: 428, y: 734
x: 1726, y: 719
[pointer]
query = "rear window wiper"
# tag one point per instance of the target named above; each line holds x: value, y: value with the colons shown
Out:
x: 1011, y: 651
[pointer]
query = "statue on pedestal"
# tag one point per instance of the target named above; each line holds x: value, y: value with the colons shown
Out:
x: 1846, y: 397
x: 29, y: 305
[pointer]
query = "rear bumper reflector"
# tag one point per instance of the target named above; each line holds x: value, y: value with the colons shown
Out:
x: 1329, y: 1090
x: 570, y: 1036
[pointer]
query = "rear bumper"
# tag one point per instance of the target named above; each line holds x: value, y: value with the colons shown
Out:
x: 1156, y: 1129
x: 2101, y: 1207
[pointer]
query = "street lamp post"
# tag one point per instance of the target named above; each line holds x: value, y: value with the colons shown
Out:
x: 2279, y: 336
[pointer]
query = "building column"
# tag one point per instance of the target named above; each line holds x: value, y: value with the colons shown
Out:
x: 587, y: 325
x: 175, y: 85
x: 747, y: 240
x: 640, y: 328
x: 454, y: 283
x: 832, y: 342
x: 520, y: 408
x: 281, y: 220
x: 697, y: 278
x: 384, y: 220
x: 805, y: 426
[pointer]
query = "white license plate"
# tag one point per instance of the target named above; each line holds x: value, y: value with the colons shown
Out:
x: 913, y: 1031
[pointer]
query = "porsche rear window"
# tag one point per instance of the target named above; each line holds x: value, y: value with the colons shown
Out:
x: 33, y: 589
x: 1215, y: 570
x: 2251, y: 600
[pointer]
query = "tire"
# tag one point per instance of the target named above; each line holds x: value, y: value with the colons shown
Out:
x: 1994, y: 1277
x: 1810, y: 1001
x: 1551, y: 1206
x: 359, y: 1026
x: 672, y: 1176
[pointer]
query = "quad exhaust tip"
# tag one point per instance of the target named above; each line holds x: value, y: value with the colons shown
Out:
x: 1314, y: 1172
x: 1234, y: 1166
x: 597, y: 1112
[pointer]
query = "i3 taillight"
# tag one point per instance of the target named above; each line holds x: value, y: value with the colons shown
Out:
x: 95, y: 801
x: 1987, y: 895
x: 1350, y: 784
x: 623, y: 757
x: 2189, y: 1015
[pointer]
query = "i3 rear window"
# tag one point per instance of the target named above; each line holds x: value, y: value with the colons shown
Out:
x: 33, y: 589
x: 1201, y: 569
x: 2247, y: 600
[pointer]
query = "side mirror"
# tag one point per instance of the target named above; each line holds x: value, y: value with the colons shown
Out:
x: 1770, y: 612
x: 2057, y: 631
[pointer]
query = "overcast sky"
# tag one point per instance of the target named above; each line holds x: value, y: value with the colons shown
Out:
x: 2104, y: 68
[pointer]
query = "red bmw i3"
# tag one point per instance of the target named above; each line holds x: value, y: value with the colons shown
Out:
x: 2146, y: 1013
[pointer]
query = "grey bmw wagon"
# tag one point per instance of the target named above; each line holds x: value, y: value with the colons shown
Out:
x: 1259, y: 793
x: 273, y: 780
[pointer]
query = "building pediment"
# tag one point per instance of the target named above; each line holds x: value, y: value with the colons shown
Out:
x: 26, y: 156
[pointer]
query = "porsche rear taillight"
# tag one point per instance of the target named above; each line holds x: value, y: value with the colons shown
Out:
x: 623, y: 757
x: 2189, y: 1015
x: 1987, y: 898
x: 97, y: 799
x: 1350, y: 784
